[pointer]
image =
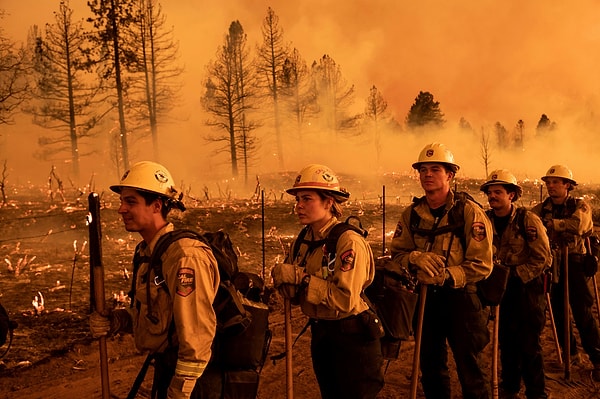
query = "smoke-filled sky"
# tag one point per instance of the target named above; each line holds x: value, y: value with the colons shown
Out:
x: 486, y: 61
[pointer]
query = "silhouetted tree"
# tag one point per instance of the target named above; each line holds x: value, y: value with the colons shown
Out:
x: 486, y: 152
x: 501, y: 135
x: 333, y: 93
x: 519, y: 128
x: 375, y: 115
x: 425, y: 112
x: 544, y: 126
x: 297, y: 89
x: 228, y: 98
x: 156, y: 59
x: 272, y: 55
x: 14, y: 85
x: 62, y: 101
x: 464, y: 124
x: 112, y: 53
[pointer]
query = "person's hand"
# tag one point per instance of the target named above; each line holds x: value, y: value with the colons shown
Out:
x: 428, y: 262
x: 99, y: 325
x: 285, y: 273
x: 425, y: 278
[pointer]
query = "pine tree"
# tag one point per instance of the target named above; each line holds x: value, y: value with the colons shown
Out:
x: 425, y: 112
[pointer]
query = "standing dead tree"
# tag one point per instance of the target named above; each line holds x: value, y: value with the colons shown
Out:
x: 3, y: 184
x: 53, y: 176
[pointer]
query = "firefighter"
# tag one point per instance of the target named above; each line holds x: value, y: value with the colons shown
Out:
x: 521, y: 244
x: 449, y: 255
x: 345, y: 349
x: 568, y: 220
x: 179, y: 330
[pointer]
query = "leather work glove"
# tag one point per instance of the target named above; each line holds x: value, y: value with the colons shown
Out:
x: 285, y: 273
x: 181, y: 387
x: 428, y: 262
x: 425, y: 278
x: 99, y: 325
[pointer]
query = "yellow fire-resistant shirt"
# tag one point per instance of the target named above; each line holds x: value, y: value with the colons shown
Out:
x: 528, y: 252
x: 571, y: 229
x: 191, y: 273
x: 334, y: 292
x: 465, y: 265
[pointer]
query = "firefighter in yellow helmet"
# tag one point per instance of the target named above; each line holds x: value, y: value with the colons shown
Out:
x: 445, y: 238
x: 345, y: 347
x: 180, y: 331
x: 568, y: 221
x: 521, y: 244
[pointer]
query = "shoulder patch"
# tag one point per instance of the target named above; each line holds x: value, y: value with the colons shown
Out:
x: 186, y: 281
x: 347, y: 259
x: 398, y: 231
x: 478, y: 231
x: 531, y: 233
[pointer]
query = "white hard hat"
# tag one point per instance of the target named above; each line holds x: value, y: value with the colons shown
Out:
x: 319, y: 177
x: 436, y: 153
x: 148, y: 176
x: 561, y: 171
x: 503, y: 177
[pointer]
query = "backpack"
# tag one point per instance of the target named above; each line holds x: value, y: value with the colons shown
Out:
x: 591, y: 259
x: 491, y: 289
x: 243, y: 337
x: 388, y: 296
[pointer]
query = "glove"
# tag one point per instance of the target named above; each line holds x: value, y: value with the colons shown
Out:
x: 285, y: 273
x: 99, y: 325
x: 425, y: 278
x: 430, y: 263
x: 181, y: 387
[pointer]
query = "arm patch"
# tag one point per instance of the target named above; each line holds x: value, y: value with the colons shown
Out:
x: 478, y: 231
x: 347, y: 259
x: 531, y: 233
x: 186, y: 281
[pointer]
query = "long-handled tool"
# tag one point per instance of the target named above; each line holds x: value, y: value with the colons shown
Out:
x: 93, y: 220
x: 289, y: 381
x: 553, y: 325
x: 495, y: 392
x: 414, y: 380
x: 597, y: 298
x: 567, y: 318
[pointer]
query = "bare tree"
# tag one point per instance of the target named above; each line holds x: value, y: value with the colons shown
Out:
x: 486, y: 152
x: 272, y: 55
x: 14, y: 85
x: 62, y: 102
x: 157, y: 53
x: 501, y: 135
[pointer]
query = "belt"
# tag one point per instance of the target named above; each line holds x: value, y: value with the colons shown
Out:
x: 348, y: 325
x: 576, y: 258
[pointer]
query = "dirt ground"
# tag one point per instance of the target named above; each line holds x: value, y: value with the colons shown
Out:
x: 43, y: 245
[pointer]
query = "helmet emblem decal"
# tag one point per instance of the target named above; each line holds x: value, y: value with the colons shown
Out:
x: 494, y: 176
x: 297, y: 180
x: 161, y: 176
x: 327, y: 177
x: 551, y: 171
x: 429, y: 153
x: 125, y: 175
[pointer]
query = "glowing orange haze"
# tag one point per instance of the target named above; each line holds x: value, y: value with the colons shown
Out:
x: 486, y: 61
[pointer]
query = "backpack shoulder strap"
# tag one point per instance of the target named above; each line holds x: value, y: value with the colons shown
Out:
x: 520, y: 219
x: 298, y: 242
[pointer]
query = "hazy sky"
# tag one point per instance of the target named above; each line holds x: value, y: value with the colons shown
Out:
x: 485, y: 60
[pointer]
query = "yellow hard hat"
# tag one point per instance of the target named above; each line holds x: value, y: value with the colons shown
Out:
x: 148, y: 176
x: 319, y: 177
x: 561, y: 171
x: 436, y: 153
x: 503, y: 176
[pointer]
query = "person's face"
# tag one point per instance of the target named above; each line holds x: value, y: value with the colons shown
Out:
x: 312, y: 209
x: 557, y: 187
x: 434, y: 177
x: 498, y: 198
x: 136, y: 215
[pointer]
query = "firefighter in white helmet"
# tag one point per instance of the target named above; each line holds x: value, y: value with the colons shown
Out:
x: 345, y: 347
x: 180, y: 332
x: 568, y: 221
x: 445, y: 238
x: 521, y: 244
